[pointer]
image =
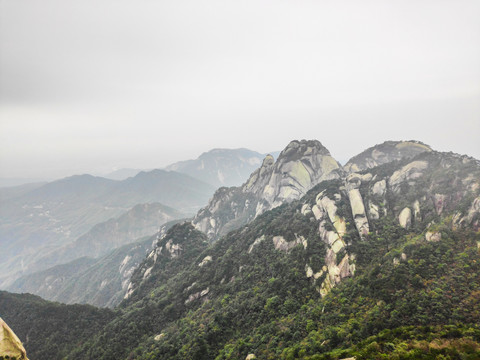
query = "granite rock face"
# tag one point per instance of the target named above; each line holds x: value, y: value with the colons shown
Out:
x: 299, y: 167
x: 410, y: 193
x: 384, y: 153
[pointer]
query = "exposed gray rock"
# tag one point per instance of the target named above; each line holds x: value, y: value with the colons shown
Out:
x: 373, y: 211
x: 255, y: 243
x: 384, y: 153
x: 405, y: 218
x: 299, y: 167
x: 407, y: 173
x: 159, y: 337
x: 416, y: 210
x: 205, y: 260
x: 197, y: 295
x: 434, y: 236
x: 281, y: 244
x: 380, y: 188
x: 352, y: 184
x: 439, y: 200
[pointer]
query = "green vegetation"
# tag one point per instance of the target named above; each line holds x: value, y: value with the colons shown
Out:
x: 50, y: 330
x: 409, y: 298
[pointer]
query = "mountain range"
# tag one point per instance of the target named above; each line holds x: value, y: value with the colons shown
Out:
x: 48, y: 224
x: 36, y: 225
x: 307, y: 259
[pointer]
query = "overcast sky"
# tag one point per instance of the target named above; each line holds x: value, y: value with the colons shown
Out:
x: 91, y: 86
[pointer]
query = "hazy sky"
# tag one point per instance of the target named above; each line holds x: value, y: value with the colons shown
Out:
x: 89, y: 86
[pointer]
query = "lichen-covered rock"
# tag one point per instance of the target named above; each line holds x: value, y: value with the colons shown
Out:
x: 409, y: 172
x: 159, y: 337
x: 205, y: 261
x: 373, y: 211
x: 281, y: 244
x: 405, y: 218
x: 352, y: 185
x: 379, y: 188
x: 10, y: 344
x: 384, y: 153
x: 197, y: 295
x: 308, y: 271
x: 439, y: 200
x: 255, y: 243
x: 306, y: 209
x: 434, y: 236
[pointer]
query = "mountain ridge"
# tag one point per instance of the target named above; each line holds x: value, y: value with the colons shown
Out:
x: 53, y: 215
x: 361, y: 265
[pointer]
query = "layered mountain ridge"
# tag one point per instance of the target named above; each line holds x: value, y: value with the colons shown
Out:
x: 36, y: 225
x: 101, y: 282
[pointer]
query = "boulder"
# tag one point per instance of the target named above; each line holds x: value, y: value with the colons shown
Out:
x: 405, y: 218
x: 409, y: 172
x: 434, y: 236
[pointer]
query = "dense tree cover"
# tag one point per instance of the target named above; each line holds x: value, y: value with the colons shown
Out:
x: 47, y: 329
x: 281, y: 318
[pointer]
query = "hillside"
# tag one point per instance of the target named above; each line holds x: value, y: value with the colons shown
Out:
x: 378, y: 264
x: 140, y: 221
x: 50, y: 330
x: 42, y: 221
x: 101, y: 282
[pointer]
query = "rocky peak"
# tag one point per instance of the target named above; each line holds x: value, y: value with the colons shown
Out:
x: 384, y: 153
x: 260, y: 177
x: 299, y: 167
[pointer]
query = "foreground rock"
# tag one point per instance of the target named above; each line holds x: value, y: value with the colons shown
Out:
x: 10, y: 344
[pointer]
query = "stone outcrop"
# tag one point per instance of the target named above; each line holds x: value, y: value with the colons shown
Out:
x: 299, y: 167
x: 372, y: 196
x: 433, y: 236
x: 170, y: 248
x: 255, y: 243
x: 384, y: 153
x: 352, y: 184
x: 198, y: 295
x: 10, y: 344
x: 205, y: 261
x: 405, y: 218
x: 407, y: 174
x: 325, y: 212
x: 281, y: 244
